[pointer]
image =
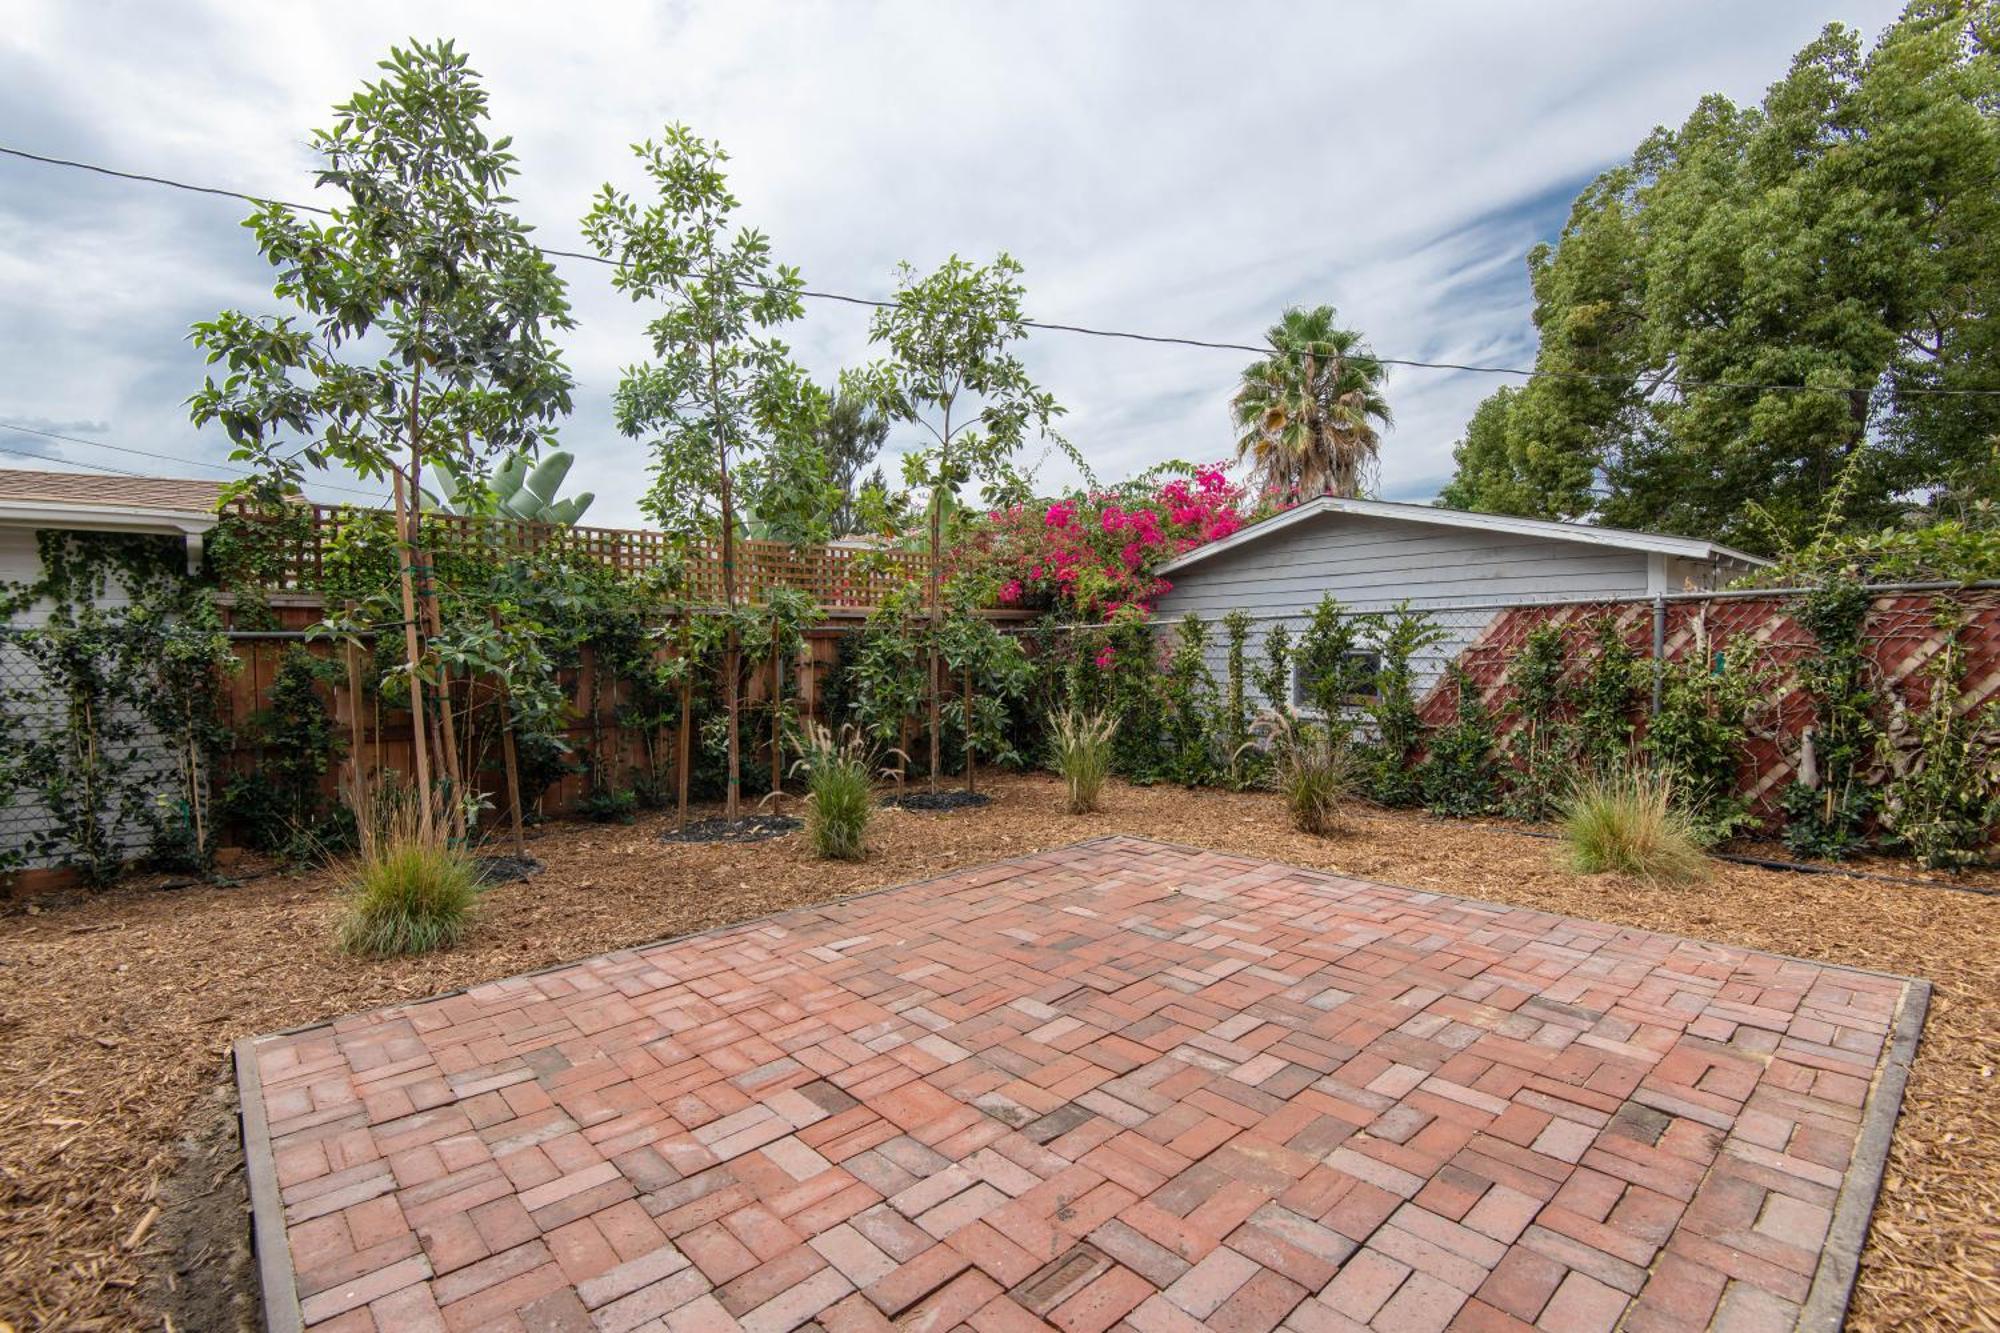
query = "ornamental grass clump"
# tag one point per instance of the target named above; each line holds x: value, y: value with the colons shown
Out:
x: 413, y: 891
x: 1080, y: 750
x: 1313, y: 767
x: 840, y: 797
x: 1626, y: 821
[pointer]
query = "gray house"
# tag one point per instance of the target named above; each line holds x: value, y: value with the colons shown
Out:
x: 1463, y: 568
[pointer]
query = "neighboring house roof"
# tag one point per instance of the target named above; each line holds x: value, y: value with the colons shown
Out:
x: 1691, y: 548
x: 108, y: 503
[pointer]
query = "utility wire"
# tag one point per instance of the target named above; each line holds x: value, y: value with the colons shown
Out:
x: 1667, y: 382
x: 73, y: 462
x: 168, y: 458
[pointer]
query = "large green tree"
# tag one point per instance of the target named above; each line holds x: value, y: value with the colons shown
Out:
x: 1306, y: 414
x: 729, y: 414
x: 1839, y: 243
x: 424, y: 332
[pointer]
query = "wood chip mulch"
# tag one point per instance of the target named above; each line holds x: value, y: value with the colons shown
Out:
x: 120, y: 1182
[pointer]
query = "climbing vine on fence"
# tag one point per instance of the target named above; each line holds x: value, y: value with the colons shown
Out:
x: 1942, y: 798
x: 1401, y: 635
x: 1828, y: 804
x: 1544, y: 743
x: 110, y: 727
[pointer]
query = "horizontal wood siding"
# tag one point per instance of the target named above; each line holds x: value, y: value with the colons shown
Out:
x: 1373, y: 563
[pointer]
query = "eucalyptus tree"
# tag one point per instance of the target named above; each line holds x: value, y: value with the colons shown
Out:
x: 728, y: 413
x: 952, y: 372
x: 851, y: 436
x: 1306, y: 414
x: 423, y: 322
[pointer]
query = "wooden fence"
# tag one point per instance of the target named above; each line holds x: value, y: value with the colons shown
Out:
x: 844, y: 580
x: 622, y: 753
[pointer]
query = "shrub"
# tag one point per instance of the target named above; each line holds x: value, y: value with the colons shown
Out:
x: 1943, y: 796
x: 1187, y: 702
x: 1461, y: 773
x: 1828, y: 805
x: 1399, y: 636
x: 1710, y: 701
x: 1607, y: 695
x: 1080, y: 750
x: 840, y: 797
x: 609, y: 805
x: 1544, y: 747
x: 1625, y: 820
x: 1313, y: 767
x: 1234, y: 721
x: 411, y: 893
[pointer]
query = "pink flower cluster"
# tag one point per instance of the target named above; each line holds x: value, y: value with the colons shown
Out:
x: 1092, y: 553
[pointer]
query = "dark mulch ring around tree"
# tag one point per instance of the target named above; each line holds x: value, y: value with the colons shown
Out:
x: 749, y: 828
x: 505, y: 868
x: 940, y: 801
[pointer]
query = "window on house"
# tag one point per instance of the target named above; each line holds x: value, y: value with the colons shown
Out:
x: 1365, y: 668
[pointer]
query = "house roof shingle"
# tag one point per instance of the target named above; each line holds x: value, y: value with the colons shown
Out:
x: 179, y: 495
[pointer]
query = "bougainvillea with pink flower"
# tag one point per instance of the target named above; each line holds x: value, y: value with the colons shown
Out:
x: 1092, y: 553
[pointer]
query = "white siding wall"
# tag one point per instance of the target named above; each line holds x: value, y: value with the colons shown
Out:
x: 32, y: 705
x: 1371, y: 564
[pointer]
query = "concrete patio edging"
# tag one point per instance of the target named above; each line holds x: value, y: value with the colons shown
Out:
x: 1840, y: 1254
x: 276, y: 1281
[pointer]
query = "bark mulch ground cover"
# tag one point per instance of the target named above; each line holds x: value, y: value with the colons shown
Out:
x: 120, y: 1181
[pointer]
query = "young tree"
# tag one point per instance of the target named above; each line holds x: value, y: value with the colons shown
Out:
x: 425, y: 315
x: 952, y: 372
x: 724, y: 405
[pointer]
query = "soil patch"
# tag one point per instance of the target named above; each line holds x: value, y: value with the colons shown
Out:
x: 941, y: 801
x: 505, y: 869
x: 749, y: 828
x: 117, y: 1014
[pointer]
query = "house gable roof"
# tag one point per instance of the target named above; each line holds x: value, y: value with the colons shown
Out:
x: 1691, y: 548
x: 104, y: 502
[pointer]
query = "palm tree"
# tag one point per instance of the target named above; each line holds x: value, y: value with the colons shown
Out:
x: 1306, y: 414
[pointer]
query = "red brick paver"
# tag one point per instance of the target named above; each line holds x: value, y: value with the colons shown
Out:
x: 1117, y: 1085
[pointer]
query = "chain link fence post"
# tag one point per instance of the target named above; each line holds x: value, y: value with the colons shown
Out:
x: 1659, y: 650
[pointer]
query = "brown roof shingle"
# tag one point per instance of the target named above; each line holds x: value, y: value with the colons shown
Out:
x: 176, y: 494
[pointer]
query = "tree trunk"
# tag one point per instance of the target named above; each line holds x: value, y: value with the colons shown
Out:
x: 412, y: 646
x: 352, y: 653
x: 682, y: 741
x: 733, y: 649
x: 447, y: 727
x: 971, y: 764
x: 509, y: 758
x: 777, y: 711
x: 937, y: 618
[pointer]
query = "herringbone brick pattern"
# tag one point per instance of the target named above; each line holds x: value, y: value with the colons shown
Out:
x: 1117, y: 1085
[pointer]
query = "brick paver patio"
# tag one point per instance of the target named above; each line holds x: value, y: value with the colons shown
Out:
x: 1120, y: 1084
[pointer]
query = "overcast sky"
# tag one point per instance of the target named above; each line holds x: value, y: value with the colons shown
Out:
x: 1169, y: 168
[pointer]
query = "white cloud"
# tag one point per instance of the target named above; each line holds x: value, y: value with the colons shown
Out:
x: 1167, y: 168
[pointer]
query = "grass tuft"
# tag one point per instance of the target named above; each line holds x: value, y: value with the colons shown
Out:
x: 1626, y: 822
x: 411, y: 893
x: 840, y: 790
x: 1080, y: 750
x: 1313, y: 768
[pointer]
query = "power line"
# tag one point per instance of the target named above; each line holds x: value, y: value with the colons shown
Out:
x: 1680, y: 385
x: 73, y: 462
x: 169, y: 458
